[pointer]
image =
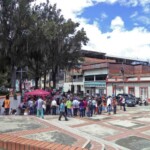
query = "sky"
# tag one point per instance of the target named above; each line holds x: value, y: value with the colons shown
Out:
x: 115, y: 27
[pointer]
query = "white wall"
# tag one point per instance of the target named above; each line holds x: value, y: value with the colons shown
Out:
x: 95, y: 72
x: 67, y: 86
x: 127, y: 85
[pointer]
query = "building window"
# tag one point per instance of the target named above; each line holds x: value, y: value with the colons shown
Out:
x: 100, y: 77
x: 144, y: 92
x: 131, y: 90
x: 89, y: 78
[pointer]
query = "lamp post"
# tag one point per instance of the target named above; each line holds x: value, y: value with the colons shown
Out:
x: 122, y: 72
x: 21, y: 71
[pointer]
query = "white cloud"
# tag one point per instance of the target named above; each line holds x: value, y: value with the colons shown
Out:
x: 117, y: 23
x: 119, y: 42
x: 103, y: 16
x: 134, y: 14
x: 144, y: 20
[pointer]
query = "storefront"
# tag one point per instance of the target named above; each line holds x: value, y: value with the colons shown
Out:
x: 97, y: 87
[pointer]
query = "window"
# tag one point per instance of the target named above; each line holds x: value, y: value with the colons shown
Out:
x: 89, y: 78
x: 131, y: 90
x: 100, y: 77
x: 144, y: 92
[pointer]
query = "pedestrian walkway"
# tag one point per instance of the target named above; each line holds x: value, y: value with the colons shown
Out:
x: 128, y: 130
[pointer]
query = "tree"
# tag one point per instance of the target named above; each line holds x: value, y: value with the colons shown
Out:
x: 38, y: 37
x: 64, y: 41
x: 14, y: 18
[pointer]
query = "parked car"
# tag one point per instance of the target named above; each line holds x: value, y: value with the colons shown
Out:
x: 130, y: 101
x: 119, y: 95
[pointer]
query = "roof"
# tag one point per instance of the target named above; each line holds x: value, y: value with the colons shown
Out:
x: 101, y: 55
x: 93, y: 54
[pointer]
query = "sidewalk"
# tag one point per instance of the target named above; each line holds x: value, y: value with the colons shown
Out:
x: 123, y: 131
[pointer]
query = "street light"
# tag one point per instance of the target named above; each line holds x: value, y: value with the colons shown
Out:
x: 21, y: 71
x: 122, y: 72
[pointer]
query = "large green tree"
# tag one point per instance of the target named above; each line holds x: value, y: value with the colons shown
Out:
x: 38, y: 37
x: 63, y: 40
x: 14, y: 18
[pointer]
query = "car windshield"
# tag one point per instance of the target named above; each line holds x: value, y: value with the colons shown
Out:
x: 129, y: 98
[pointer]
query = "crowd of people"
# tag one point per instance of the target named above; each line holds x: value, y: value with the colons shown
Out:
x: 70, y: 105
x: 67, y: 105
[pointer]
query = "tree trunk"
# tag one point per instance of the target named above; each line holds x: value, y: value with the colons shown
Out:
x: 50, y: 79
x: 44, y: 80
x: 54, y: 79
x: 36, y: 82
x: 13, y: 78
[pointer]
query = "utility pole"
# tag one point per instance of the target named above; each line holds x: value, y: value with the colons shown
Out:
x: 122, y: 72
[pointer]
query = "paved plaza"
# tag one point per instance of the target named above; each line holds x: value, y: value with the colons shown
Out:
x: 128, y: 130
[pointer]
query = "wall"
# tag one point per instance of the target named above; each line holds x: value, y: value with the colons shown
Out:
x: 126, y: 87
x: 96, y: 71
x: 67, y: 86
x: 116, y: 69
x: 88, y: 60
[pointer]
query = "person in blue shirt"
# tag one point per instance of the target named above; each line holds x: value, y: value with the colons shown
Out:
x: 62, y: 110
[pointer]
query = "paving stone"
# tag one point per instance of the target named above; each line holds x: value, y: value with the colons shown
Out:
x: 98, y: 117
x: 125, y: 124
x: 18, y: 123
x: 54, y: 136
x: 71, y: 122
x: 144, y: 119
x: 97, y: 130
x: 146, y: 132
x: 121, y: 115
x: 134, y: 143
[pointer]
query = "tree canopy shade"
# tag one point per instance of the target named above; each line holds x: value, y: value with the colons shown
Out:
x: 38, y: 37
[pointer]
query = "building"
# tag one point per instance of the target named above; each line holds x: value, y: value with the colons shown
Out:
x: 135, y: 79
x: 103, y: 74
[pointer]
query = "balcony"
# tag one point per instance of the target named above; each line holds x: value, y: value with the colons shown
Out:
x: 95, y: 66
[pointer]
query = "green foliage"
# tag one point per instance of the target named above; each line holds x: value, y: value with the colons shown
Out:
x: 38, y: 37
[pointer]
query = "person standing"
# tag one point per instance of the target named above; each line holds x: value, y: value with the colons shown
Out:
x: 48, y: 106
x: 7, y: 105
x: 75, y: 104
x: 62, y: 111
x: 114, y: 103
x: 85, y: 106
x: 69, y: 105
x: 94, y: 103
x: 81, y: 108
x: 90, y: 108
x: 123, y: 103
x: 109, y: 102
x: 53, y: 106
x: 30, y: 105
x: 99, y: 103
x: 40, y: 103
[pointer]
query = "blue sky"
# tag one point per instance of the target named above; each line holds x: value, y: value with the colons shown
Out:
x: 116, y: 27
x: 104, y: 13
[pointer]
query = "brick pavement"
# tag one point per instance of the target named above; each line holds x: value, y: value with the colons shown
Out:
x: 96, y: 133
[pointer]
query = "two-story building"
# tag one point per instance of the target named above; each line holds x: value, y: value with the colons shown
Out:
x: 103, y: 74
